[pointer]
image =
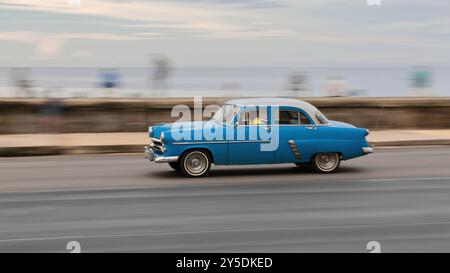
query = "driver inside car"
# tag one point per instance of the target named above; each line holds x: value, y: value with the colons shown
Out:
x: 256, y: 121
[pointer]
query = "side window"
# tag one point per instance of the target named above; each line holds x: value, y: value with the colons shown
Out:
x: 253, y: 117
x: 292, y: 117
x: 304, y: 120
x: 288, y: 117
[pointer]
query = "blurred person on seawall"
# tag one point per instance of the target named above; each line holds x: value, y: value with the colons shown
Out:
x: 51, y: 114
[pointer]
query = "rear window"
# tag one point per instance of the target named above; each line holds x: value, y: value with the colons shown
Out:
x: 292, y: 117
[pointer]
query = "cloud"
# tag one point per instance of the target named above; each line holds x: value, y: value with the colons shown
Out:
x: 35, y: 37
x: 218, y: 30
x: 255, y: 4
x: 50, y: 45
x: 206, y: 19
x: 274, y: 31
x: 253, y: 34
x: 81, y: 54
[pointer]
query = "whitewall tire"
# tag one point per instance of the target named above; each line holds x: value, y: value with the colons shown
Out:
x: 326, y: 162
x: 195, y: 163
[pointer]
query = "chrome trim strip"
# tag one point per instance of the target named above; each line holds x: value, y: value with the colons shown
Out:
x: 166, y: 159
x: 249, y: 141
x: 300, y: 125
x: 156, y: 140
x: 221, y: 142
x: 152, y: 157
x: 295, y: 149
x: 200, y: 142
x: 367, y: 150
x: 287, y: 125
x: 291, y: 125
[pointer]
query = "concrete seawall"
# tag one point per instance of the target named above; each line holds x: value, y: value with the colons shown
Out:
x: 23, y: 116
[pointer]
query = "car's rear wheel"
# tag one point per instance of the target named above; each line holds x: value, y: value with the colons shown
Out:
x: 175, y: 165
x: 195, y: 163
x: 326, y: 162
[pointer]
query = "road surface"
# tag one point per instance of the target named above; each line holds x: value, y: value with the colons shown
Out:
x: 115, y: 203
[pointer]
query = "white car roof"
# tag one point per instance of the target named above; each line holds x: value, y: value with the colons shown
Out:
x: 307, y: 107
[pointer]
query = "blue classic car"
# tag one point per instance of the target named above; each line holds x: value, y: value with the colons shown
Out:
x: 257, y: 131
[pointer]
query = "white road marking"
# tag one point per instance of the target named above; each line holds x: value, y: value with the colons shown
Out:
x: 236, y: 192
x: 71, y: 237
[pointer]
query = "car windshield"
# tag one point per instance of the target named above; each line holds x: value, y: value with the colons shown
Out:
x: 226, y: 114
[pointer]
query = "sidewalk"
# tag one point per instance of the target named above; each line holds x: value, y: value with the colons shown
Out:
x: 101, y: 143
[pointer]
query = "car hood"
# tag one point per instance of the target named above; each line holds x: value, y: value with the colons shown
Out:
x: 191, y: 125
x: 341, y: 124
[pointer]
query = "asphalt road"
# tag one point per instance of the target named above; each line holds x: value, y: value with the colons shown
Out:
x: 398, y: 197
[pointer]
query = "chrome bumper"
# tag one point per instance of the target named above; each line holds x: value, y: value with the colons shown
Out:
x: 153, y: 157
x: 367, y: 150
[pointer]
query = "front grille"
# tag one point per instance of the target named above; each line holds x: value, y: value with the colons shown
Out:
x: 157, y: 145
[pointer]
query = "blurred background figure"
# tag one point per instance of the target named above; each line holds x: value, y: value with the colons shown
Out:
x: 161, y: 69
x: 21, y: 81
x: 357, y: 92
x: 51, y: 113
x: 421, y: 81
x: 110, y: 79
x: 229, y: 88
x: 335, y: 87
x: 297, y: 84
x: 163, y: 79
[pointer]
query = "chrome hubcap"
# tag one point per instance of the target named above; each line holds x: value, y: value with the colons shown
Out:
x: 196, y: 163
x: 327, y: 161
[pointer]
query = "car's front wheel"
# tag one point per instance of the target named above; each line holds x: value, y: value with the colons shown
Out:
x: 195, y: 163
x: 326, y: 162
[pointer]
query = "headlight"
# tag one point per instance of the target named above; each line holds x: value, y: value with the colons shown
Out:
x: 150, y: 131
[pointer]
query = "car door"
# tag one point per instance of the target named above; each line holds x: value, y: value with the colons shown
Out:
x: 297, y: 135
x: 250, y: 132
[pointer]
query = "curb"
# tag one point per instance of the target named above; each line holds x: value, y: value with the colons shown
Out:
x: 429, y: 142
x: 113, y: 149
x: 69, y: 150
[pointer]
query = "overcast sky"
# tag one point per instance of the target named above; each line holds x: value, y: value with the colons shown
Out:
x: 224, y: 32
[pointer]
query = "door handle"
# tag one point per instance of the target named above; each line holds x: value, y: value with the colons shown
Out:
x: 311, y: 127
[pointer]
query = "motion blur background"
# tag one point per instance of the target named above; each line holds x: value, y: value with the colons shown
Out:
x: 69, y: 66
x: 79, y: 78
x: 179, y: 48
